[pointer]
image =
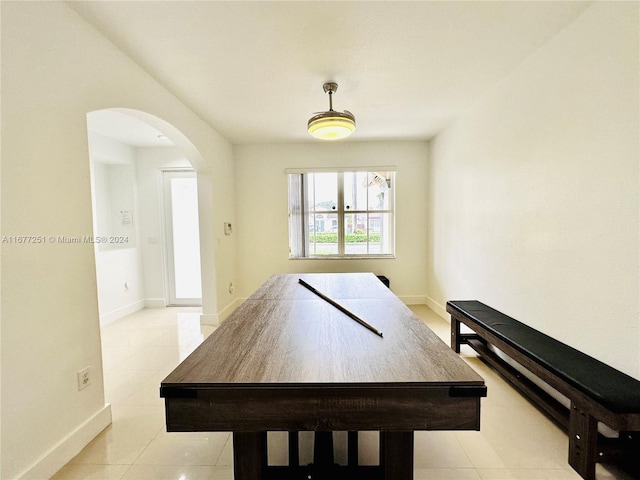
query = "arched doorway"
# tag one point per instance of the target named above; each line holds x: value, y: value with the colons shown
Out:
x: 129, y: 150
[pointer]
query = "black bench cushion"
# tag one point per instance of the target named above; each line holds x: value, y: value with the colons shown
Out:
x: 613, y: 389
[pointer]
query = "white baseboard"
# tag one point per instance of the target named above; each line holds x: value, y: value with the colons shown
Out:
x: 69, y: 446
x: 154, y: 303
x: 413, y: 299
x: 229, y: 309
x: 216, y: 319
x: 122, y: 312
x: 210, y: 319
x: 439, y: 309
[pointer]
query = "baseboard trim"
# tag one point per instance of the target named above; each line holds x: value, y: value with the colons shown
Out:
x: 439, y: 309
x: 58, y: 456
x: 154, y: 303
x: 229, y: 309
x: 210, y: 319
x: 413, y: 299
x: 122, y: 312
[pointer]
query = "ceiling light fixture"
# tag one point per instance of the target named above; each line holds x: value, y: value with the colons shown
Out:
x: 331, y: 125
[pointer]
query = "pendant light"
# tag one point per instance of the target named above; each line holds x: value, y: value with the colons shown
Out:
x: 331, y: 125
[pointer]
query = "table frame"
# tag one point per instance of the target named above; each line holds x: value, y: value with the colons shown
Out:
x: 197, y: 400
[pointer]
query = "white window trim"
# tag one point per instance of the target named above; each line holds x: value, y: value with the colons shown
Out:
x: 341, y: 212
x: 383, y: 168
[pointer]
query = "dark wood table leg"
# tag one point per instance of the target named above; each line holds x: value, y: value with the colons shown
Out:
x: 323, y: 449
x: 294, y: 449
x: 396, y: 455
x: 249, y: 455
x: 352, y: 449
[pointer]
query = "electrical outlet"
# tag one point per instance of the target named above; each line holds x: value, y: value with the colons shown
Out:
x: 231, y: 287
x: 84, y: 378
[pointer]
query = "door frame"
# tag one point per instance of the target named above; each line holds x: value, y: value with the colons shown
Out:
x: 167, y: 219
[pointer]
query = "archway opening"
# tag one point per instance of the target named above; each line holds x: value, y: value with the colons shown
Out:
x: 131, y: 155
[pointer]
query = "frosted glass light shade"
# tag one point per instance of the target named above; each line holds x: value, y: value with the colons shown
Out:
x: 331, y: 125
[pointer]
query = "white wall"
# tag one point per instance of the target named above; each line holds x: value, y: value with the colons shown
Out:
x: 118, y: 265
x: 534, y: 196
x: 262, y: 226
x: 55, y: 69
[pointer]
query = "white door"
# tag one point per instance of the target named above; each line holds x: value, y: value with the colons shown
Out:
x: 182, y: 238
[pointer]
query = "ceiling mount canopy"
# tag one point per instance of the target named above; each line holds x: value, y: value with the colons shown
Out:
x: 331, y: 125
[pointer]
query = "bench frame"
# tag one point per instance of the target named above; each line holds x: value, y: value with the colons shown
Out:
x: 587, y: 446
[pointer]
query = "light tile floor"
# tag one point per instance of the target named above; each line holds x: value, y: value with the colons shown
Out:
x: 516, y: 441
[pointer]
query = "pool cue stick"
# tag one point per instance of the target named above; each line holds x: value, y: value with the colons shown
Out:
x: 340, y: 307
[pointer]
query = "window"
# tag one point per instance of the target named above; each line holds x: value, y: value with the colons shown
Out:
x: 341, y: 213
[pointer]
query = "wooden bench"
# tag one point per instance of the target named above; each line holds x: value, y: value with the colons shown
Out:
x: 598, y: 393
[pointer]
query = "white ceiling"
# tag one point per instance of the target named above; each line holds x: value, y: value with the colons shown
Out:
x: 126, y: 129
x: 254, y: 70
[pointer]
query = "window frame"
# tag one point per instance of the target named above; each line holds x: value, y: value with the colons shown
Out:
x: 299, y: 247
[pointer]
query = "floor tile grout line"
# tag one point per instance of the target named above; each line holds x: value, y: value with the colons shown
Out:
x: 160, y: 430
x: 229, y: 439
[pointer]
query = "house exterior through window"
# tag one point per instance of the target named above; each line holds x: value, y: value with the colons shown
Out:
x: 341, y: 214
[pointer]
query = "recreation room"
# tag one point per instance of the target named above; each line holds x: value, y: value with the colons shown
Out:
x: 450, y: 290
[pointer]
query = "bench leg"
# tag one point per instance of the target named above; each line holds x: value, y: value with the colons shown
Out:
x: 455, y: 335
x: 583, y: 442
x: 631, y: 447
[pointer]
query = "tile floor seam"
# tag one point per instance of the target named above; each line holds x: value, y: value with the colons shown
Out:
x: 160, y: 430
x: 125, y: 472
x: 229, y: 439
